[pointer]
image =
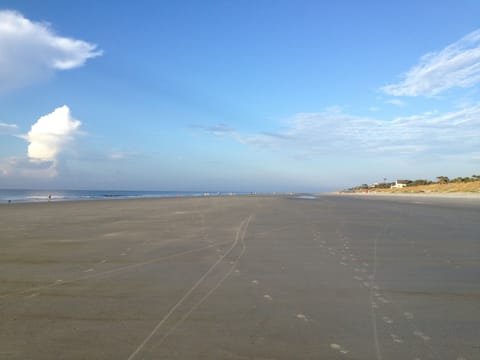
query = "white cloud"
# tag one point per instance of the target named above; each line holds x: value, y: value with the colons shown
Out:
x: 23, y: 168
x: 457, y: 65
x: 30, y: 51
x: 47, y: 138
x: 117, y: 155
x: 339, y: 134
x: 121, y: 155
x: 396, y: 102
x: 7, y: 128
x: 220, y: 129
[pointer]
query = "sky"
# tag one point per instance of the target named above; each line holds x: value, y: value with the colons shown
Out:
x: 237, y: 95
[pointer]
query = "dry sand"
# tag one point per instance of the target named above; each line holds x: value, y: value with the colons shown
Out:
x: 241, y: 278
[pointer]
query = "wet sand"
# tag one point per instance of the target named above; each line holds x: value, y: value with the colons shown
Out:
x: 336, y: 277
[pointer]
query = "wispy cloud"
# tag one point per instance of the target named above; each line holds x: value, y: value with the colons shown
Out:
x: 220, y: 129
x: 396, y: 102
x: 122, y: 155
x: 457, y: 65
x: 30, y: 51
x: 7, y: 128
x: 336, y: 133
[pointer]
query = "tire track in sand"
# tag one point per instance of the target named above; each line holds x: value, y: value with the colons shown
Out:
x: 239, y: 238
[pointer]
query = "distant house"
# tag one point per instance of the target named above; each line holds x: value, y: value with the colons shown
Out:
x: 400, y: 184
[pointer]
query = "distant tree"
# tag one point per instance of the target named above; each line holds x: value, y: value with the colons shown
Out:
x: 464, y: 179
x: 384, y: 185
x: 419, y: 182
x: 443, y: 179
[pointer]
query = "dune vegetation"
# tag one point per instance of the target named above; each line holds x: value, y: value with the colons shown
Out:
x: 442, y: 185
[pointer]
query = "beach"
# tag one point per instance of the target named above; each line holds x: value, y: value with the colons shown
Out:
x: 241, y: 277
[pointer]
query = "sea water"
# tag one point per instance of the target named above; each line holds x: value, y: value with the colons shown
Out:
x: 15, y: 196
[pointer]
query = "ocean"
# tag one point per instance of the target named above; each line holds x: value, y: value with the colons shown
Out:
x: 22, y: 196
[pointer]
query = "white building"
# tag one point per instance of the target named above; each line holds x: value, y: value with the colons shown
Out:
x: 400, y: 184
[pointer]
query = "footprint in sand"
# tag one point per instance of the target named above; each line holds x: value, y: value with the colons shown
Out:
x: 32, y: 295
x: 408, y: 315
x: 268, y: 297
x: 421, y: 335
x: 339, y: 348
x: 302, y: 317
x: 255, y: 282
x: 387, y: 320
x: 396, y: 339
x: 383, y: 300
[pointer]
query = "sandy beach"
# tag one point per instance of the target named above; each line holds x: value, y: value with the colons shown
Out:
x: 459, y: 197
x: 247, y: 277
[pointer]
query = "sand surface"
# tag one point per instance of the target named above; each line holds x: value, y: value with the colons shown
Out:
x: 336, y: 277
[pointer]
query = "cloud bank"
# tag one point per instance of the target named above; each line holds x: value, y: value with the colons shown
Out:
x: 30, y: 51
x: 338, y: 134
x: 456, y: 66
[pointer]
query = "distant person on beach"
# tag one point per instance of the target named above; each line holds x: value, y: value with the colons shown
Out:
x: 49, y: 197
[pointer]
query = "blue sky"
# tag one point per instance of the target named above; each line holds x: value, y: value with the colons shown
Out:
x: 237, y: 95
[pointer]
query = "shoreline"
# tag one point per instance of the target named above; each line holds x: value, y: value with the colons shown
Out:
x: 119, y: 199
x: 374, y: 195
